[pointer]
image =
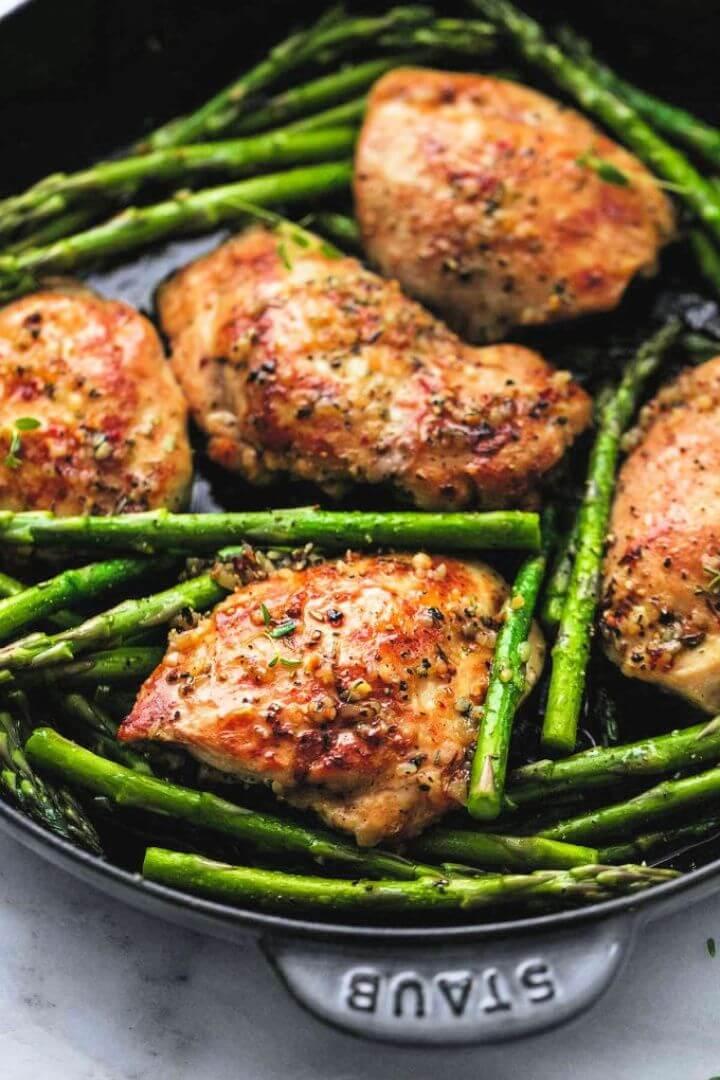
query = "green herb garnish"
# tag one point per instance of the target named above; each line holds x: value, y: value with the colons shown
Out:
x: 604, y: 169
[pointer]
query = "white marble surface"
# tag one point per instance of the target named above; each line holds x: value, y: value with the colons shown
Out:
x: 92, y: 990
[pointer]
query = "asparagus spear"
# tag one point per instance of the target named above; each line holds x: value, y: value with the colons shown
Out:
x: 660, y: 156
x: 325, y: 42
x: 571, y: 651
x: 9, y: 586
x: 38, y: 601
x: 304, y: 101
x: 505, y: 689
x: 339, y: 228
x: 495, y: 851
x: 99, y: 731
x: 119, y: 180
x: 55, y: 808
x: 559, y: 578
x: 160, y: 530
x: 707, y: 257
x: 46, y: 749
x: 130, y: 663
x: 194, y: 211
x: 663, y: 844
x: 349, y: 114
x: 126, y: 618
x: 278, y: 891
x: 674, y: 121
x: 605, y: 766
x: 82, y: 217
x: 623, y: 819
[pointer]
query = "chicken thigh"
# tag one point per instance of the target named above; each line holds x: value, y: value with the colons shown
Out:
x: 351, y: 686
x: 498, y: 206
x: 295, y: 360
x: 660, y: 615
x: 91, y: 418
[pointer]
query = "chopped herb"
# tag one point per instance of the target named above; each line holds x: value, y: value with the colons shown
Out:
x: 12, y: 459
x: 265, y: 614
x: 713, y: 585
x: 604, y: 169
x: 283, y: 256
x: 283, y: 630
x: 288, y: 663
x: 27, y: 423
x: 710, y: 943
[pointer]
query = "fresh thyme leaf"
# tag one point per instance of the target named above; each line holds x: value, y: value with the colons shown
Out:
x: 283, y: 255
x: 283, y: 630
x: 265, y: 614
x: 713, y: 585
x: 604, y: 169
x: 274, y: 661
x: 27, y: 423
x: 286, y: 662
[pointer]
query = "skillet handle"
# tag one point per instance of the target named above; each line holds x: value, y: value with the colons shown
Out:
x: 476, y: 992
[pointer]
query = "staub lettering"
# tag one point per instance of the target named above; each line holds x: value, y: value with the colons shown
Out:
x: 458, y: 995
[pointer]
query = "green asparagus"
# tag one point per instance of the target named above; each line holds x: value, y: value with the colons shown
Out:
x: 113, y: 626
x: 505, y: 689
x: 186, y: 212
x: 606, y: 766
x: 559, y: 578
x: 674, y: 121
x: 663, y: 844
x: 46, y: 749
x: 707, y: 257
x: 120, y: 180
x: 493, y: 851
x: 70, y: 586
x: 571, y: 651
x: 55, y: 808
x: 339, y: 228
x: 160, y: 530
x: 277, y: 891
x: 326, y: 42
x: 127, y: 664
x: 625, y: 819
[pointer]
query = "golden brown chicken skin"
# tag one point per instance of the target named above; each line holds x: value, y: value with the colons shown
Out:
x: 299, y: 362
x: 91, y: 418
x: 476, y: 193
x: 362, y: 707
x: 661, y: 603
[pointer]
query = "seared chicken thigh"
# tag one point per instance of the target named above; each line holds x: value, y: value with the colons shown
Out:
x: 295, y: 360
x: 91, y: 418
x: 661, y: 603
x: 352, y: 686
x: 497, y: 205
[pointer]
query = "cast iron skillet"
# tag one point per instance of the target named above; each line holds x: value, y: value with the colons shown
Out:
x: 77, y: 80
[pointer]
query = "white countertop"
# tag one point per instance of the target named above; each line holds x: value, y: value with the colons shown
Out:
x: 92, y: 990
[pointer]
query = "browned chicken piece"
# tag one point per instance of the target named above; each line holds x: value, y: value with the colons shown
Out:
x: 498, y: 206
x: 661, y: 604
x: 351, y: 686
x: 91, y: 418
x: 295, y: 361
